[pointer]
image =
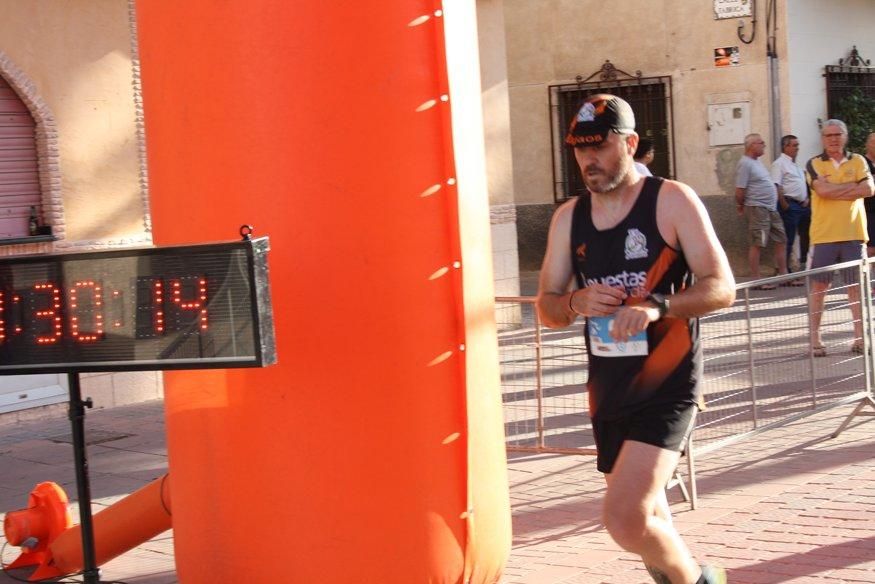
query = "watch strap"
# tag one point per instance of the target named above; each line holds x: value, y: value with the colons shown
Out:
x: 660, y: 301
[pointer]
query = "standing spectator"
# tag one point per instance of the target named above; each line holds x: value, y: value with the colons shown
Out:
x: 795, y: 206
x: 757, y: 199
x: 869, y: 202
x: 839, y: 181
x: 644, y: 156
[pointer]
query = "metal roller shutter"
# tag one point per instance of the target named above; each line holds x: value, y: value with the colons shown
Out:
x: 19, y: 172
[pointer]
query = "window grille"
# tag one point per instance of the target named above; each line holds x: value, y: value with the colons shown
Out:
x: 651, y: 100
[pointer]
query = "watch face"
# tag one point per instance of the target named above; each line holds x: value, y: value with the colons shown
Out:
x: 660, y: 302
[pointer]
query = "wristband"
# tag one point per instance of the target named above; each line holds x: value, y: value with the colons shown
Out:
x: 570, y: 306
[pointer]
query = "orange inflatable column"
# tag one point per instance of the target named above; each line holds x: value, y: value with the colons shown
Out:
x: 373, y: 452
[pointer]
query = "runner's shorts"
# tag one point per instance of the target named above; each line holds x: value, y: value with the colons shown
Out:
x: 664, y: 425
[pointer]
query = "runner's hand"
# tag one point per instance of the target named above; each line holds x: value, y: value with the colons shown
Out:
x: 631, y: 320
x: 597, y: 300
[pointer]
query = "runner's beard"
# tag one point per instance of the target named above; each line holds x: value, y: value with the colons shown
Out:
x: 608, y: 179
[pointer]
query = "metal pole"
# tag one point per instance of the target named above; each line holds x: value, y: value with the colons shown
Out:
x: 90, y: 572
x: 691, y: 468
x: 811, y: 366
x: 869, y: 356
x: 539, y: 385
x: 866, y: 324
x: 750, y: 359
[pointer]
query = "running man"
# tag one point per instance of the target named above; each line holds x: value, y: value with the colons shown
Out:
x: 623, y: 257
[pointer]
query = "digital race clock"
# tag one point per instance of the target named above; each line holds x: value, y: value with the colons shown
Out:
x: 175, y: 307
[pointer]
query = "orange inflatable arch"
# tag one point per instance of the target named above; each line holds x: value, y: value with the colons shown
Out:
x: 373, y: 452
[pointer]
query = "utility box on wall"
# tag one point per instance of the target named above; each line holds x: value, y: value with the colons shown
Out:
x: 728, y: 123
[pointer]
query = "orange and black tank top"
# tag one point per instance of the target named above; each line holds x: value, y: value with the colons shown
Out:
x: 662, y: 364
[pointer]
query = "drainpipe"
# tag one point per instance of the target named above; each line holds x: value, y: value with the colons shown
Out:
x: 774, y: 79
x: 775, y: 106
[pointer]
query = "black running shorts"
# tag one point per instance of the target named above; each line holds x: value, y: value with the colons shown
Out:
x: 664, y: 425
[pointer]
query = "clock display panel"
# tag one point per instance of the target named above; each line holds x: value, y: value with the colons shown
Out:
x: 176, y: 307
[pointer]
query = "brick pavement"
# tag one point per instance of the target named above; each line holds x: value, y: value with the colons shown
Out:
x: 791, y: 505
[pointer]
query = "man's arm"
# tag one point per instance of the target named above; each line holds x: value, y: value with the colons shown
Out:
x: 557, y: 307
x: 777, y: 174
x: 782, y: 201
x: 714, y: 287
x: 553, y: 296
x: 842, y: 192
x: 739, y: 199
x: 742, y: 178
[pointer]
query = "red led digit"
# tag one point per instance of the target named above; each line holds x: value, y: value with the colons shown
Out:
x: 2, y: 316
x: 198, y: 303
x: 158, y: 305
x: 117, y: 309
x: 16, y: 299
x: 95, y: 311
x: 52, y: 314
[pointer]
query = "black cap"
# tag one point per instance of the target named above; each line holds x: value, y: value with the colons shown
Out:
x: 600, y: 114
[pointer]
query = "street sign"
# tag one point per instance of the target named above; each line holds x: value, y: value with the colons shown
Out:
x: 732, y: 8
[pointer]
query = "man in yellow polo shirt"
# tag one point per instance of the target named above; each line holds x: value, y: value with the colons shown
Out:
x: 839, y: 181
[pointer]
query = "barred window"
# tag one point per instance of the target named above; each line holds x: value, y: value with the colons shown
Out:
x: 850, y: 96
x: 650, y: 98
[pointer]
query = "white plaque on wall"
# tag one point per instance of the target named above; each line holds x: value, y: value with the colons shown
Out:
x: 732, y: 8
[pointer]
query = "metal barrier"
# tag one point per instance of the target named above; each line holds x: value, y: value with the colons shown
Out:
x: 760, y: 366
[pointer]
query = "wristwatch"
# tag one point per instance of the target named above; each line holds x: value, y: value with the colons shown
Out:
x: 660, y: 302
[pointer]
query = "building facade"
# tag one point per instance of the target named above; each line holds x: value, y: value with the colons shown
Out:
x: 72, y: 158
x: 700, y: 76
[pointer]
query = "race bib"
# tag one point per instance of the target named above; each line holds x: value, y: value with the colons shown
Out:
x: 601, y: 343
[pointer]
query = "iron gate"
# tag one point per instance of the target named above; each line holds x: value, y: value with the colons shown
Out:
x: 842, y: 79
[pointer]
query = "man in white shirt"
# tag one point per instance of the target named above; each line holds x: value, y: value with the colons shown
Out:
x: 793, y: 202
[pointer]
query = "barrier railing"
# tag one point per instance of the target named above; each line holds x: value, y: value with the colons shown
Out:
x: 761, y: 368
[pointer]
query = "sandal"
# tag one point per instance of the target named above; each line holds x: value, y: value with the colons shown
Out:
x: 766, y: 287
x: 818, y: 350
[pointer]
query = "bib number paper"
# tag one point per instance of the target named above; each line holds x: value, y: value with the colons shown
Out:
x: 601, y: 343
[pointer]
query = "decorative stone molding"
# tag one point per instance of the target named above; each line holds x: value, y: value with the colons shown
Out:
x: 48, y: 155
x: 499, y: 214
x: 141, y: 121
x: 26, y: 248
x: 101, y: 244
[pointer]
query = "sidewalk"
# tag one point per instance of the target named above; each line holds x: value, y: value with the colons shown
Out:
x: 126, y: 450
x: 791, y: 505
